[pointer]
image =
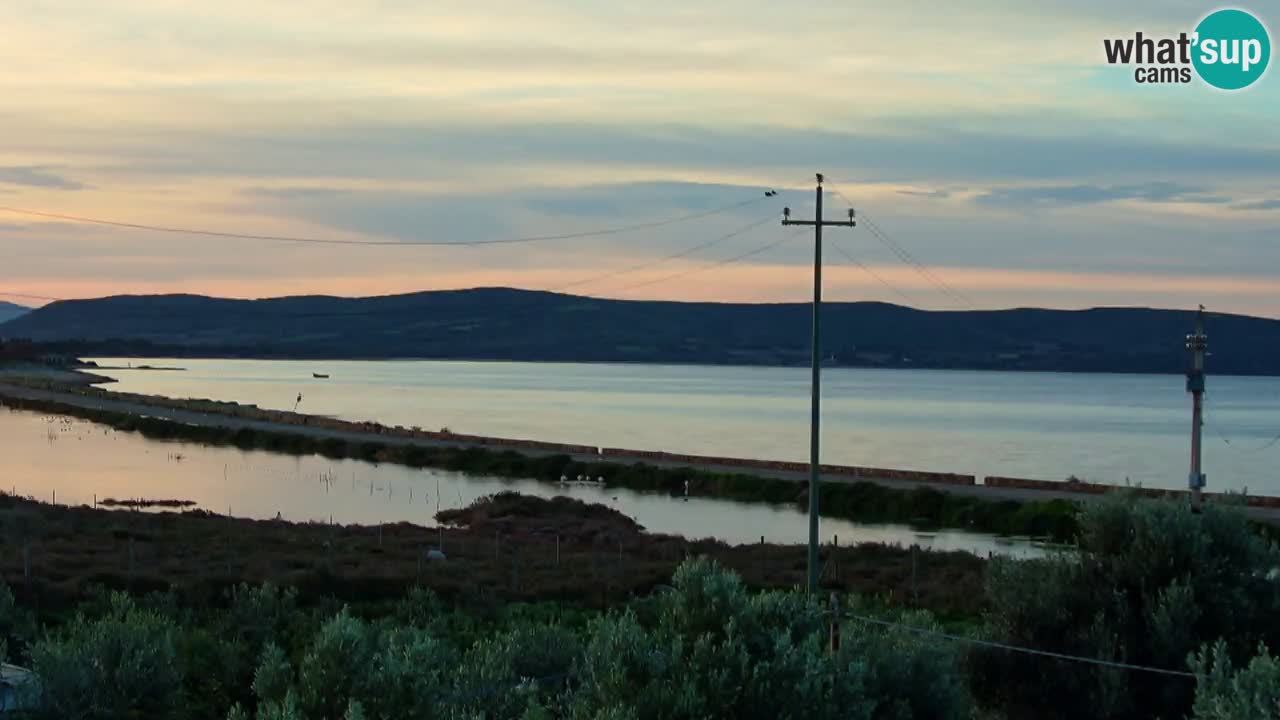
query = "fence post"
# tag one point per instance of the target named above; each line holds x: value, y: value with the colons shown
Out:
x: 515, y: 569
x: 26, y: 562
x: 915, y: 596
x: 835, y: 623
x: 557, y: 549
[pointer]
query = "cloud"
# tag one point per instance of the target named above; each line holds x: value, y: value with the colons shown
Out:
x: 293, y: 193
x: 1272, y: 204
x: 37, y: 176
x: 923, y: 151
x: 1067, y: 195
x: 938, y: 193
x: 455, y: 216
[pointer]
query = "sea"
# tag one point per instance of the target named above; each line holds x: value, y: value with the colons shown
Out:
x: 1108, y: 428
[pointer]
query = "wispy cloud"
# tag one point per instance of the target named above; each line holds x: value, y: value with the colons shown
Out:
x: 936, y: 193
x: 1272, y: 204
x: 1063, y: 195
x: 38, y: 176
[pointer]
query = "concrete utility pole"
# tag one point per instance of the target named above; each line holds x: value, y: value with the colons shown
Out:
x: 1197, y: 343
x: 816, y: 359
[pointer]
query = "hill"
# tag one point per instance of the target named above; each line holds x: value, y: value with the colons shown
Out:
x: 509, y: 324
x: 9, y: 311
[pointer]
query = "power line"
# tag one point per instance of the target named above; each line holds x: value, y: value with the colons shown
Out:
x: 32, y: 297
x: 911, y: 260
x: 1214, y: 428
x: 651, y: 263
x: 391, y: 243
x: 712, y: 265
x: 848, y: 256
x: 906, y: 257
x: 1020, y: 649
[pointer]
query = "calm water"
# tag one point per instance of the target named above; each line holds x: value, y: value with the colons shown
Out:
x: 43, y: 455
x: 1104, y: 428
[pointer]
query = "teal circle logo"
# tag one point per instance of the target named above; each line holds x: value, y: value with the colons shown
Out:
x: 1232, y: 49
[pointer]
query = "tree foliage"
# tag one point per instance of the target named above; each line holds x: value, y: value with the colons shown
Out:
x: 123, y: 665
x: 1149, y: 583
x: 1222, y: 693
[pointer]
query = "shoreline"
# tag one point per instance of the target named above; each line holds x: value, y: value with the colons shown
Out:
x: 746, y: 366
x: 1041, y: 508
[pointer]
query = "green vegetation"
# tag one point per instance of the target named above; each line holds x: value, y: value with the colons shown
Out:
x: 922, y: 507
x: 1151, y: 584
x: 707, y: 648
x: 1223, y: 693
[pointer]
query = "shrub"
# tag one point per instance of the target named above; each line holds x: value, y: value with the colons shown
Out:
x: 717, y: 652
x: 1252, y: 693
x: 17, y: 627
x: 122, y: 665
x: 1150, y: 583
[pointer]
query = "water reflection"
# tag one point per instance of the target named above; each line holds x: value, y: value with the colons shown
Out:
x: 77, y: 461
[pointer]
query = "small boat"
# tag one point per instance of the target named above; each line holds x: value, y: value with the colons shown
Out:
x: 320, y: 376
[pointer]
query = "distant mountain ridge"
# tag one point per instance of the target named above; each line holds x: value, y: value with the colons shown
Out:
x: 511, y: 324
x: 9, y: 311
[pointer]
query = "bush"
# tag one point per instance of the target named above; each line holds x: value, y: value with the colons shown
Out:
x: 1223, y: 694
x: 17, y: 627
x: 122, y: 665
x: 354, y: 669
x: 1150, y: 583
x: 717, y: 652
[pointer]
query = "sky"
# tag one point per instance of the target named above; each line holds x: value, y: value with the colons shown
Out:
x: 989, y: 140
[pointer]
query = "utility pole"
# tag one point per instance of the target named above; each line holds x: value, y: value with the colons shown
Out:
x: 816, y: 360
x: 1197, y: 343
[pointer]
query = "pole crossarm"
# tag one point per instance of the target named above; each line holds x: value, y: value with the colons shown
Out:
x: 825, y: 223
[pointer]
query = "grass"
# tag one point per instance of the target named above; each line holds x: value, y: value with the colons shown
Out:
x: 922, y: 506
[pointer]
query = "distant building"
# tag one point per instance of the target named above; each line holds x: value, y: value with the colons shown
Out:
x: 18, y: 689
